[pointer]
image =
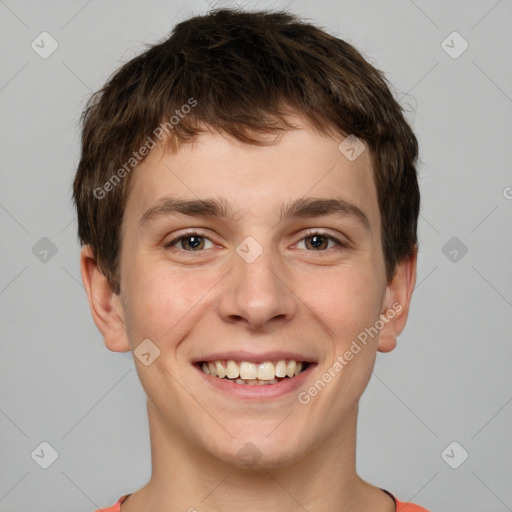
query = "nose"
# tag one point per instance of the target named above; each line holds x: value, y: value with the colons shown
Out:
x: 258, y: 293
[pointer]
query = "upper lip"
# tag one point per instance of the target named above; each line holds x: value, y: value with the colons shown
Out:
x: 240, y: 355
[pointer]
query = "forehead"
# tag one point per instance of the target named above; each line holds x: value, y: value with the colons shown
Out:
x: 256, y: 181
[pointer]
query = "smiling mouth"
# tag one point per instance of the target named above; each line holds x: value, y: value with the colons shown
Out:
x: 254, y: 374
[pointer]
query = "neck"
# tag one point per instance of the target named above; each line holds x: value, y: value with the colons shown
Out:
x: 186, y: 478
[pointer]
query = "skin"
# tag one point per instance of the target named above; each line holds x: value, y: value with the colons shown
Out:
x: 294, y: 297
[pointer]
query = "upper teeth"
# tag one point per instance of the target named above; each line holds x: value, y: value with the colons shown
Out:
x: 247, y: 371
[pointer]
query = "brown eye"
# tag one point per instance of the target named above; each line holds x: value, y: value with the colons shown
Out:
x: 319, y: 242
x: 191, y: 242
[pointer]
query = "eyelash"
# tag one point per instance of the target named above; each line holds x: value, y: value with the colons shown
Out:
x: 341, y: 245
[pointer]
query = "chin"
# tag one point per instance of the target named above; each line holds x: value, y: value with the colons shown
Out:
x: 256, y: 450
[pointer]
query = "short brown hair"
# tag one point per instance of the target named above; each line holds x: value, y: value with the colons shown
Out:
x: 242, y: 72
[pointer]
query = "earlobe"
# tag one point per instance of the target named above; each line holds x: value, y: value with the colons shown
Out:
x: 397, y: 301
x: 105, y: 305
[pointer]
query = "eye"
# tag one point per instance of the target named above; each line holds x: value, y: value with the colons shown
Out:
x: 196, y: 242
x: 320, y: 241
x: 190, y: 242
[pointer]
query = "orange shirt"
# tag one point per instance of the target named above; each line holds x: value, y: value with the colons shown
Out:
x: 400, y: 506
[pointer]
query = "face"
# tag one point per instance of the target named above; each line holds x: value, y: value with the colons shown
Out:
x: 253, y: 282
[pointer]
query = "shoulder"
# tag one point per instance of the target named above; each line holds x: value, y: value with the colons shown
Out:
x: 116, y: 507
x: 402, y: 506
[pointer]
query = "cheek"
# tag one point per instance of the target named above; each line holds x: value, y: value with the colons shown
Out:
x: 346, y: 301
x: 164, y: 301
x: 153, y: 306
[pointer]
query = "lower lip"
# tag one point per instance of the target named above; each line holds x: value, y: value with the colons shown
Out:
x: 261, y: 392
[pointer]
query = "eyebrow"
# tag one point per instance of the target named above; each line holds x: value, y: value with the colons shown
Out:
x: 302, y: 208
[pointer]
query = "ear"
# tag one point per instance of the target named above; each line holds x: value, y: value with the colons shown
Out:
x: 106, y: 307
x: 396, y: 302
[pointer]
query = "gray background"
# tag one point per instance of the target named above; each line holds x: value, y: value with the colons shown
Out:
x: 449, y: 378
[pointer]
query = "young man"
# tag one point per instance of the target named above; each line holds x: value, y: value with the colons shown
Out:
x: 247, y: 202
